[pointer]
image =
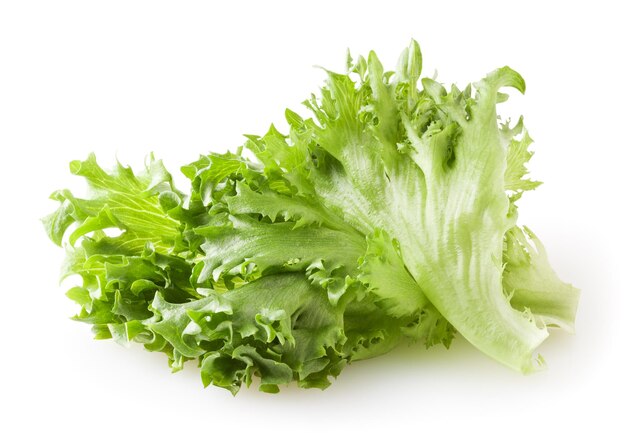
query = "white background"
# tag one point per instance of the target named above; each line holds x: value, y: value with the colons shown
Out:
x: 183, y: 78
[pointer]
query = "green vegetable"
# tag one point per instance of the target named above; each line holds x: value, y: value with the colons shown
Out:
x: 389, y: 215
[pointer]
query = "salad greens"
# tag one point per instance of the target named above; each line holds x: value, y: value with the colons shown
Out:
x: 389, y: 214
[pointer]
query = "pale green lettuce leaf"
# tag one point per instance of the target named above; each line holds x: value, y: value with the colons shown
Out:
x: 428, y: 166
x: 533, y: 284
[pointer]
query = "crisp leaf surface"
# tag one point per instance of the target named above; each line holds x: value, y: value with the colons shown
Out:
x: 388, y: 213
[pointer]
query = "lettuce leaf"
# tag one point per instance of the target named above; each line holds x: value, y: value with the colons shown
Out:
x: 389, y: 215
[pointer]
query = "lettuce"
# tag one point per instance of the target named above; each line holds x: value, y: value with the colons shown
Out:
x: 388, y: 215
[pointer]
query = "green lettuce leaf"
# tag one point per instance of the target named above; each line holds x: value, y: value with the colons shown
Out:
x: 388, y: 215
x: 438, y: 172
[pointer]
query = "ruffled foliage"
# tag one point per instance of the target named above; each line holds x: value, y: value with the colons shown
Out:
x: 389, y: 214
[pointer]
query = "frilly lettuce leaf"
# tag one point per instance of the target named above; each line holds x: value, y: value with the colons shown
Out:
x: 533, y: 285
x: 390, y: 214
x: 137, y: 205
x: 429, y: 167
